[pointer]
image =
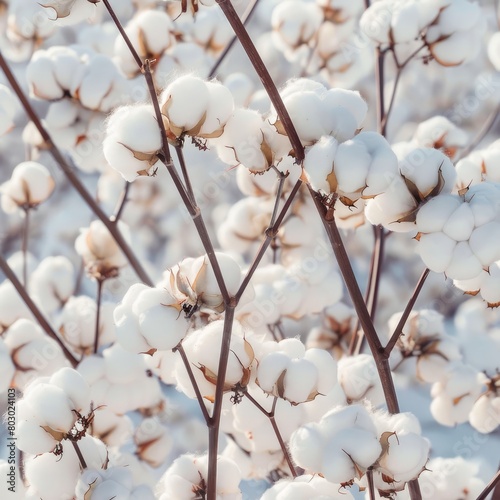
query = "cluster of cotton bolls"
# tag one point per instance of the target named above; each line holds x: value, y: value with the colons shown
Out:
x: 323, y: 36
x: 349, y: 440
x: 451, y: 31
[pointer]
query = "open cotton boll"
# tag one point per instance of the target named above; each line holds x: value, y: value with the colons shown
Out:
x: 53, y: 477
x: 70, y: 12
x: 202, y: 347
x: 359, y: 380
x: 318, y: 164
x: 151, y: 34
x: 189, y: 474
x: 30, y: 184
x: 436, y: 251
x: 50, y: 72
x: 210, y: 31
x: 294, y: 23
x: 440, y: 133
x: 306, y: 487
x: 490, y: 286
x: 77, y: 324
x: 153, y: 442
x: 494, y: 50
x: 7, y: 369
x: 455, y: 394
x: 52, y: 283
x: 246, y: 141
x: 132, y: 141
x: 340, y: 11
x: 100, y: 253
x: 8, y: 110
x: 12, y: 306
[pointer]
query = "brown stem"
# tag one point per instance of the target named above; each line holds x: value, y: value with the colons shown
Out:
x: 121, y: 203
x: 100, y: 283
x: 72, y: 177
x: 24, y: 244
x: 270, y: 235
x: 345, y: 267
x: 192, y: 379
x: 406, y: 313
x: 371, y: 486
x: 9, y: 273
x: 379, y: 78
x: 214, y: 423
x: 244, y: 19
x: 79, y: 454
x: 271, y: 416
x: 249, y: 47
x: 492, y: 485
x: 187, y: 181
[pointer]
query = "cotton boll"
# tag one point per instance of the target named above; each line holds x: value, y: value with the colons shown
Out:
x: 468, y: 173
x: 210, y: 31
x: 454, y: 396
x: 494, y: 50
x: 306, y: 447
x: 151, y: 34
x: 433, y: 215
x: 359, y: 379
x: 8, y: 369
x: 132, y: 141
x: 436, y: 250
x: 490, y: 287
x: 70, y: 12
x: 318, y: 164
x: 52, y: 282
x: 111, y: 428
x: 482, y: 243
x: 153, y: 442
x: 53, y: 477
x: 464, y: 263
x: 30, y: 184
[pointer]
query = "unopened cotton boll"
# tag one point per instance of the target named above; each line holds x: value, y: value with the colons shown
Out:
x: 132, y: 141
x: 100, y: 253
x: 359, y: 379
x: 189, y: 474
x: 30, y: 184
x: 151, y: 34
x: 7, y: 110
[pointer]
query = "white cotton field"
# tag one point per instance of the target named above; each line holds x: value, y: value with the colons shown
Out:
x: 249, y: 250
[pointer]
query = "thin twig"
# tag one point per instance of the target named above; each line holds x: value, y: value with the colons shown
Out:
x: 79, y: 454
x: 24, y: 244
x: 187, y: 181
x: 214, y: 422
x: 122, y: 202
x: 9, y: 273
x: 270, y: 235
x: 271, y: 416
x: 192, y: 379
x: 485, y: 129
x: 404, y: 318
x: 244, y: 19
x: 371, y: 486
x: 100, y: 283
x: 249, y: 47
x: 493, y: 485
x: 379, y: 78
x: 72, y: 177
